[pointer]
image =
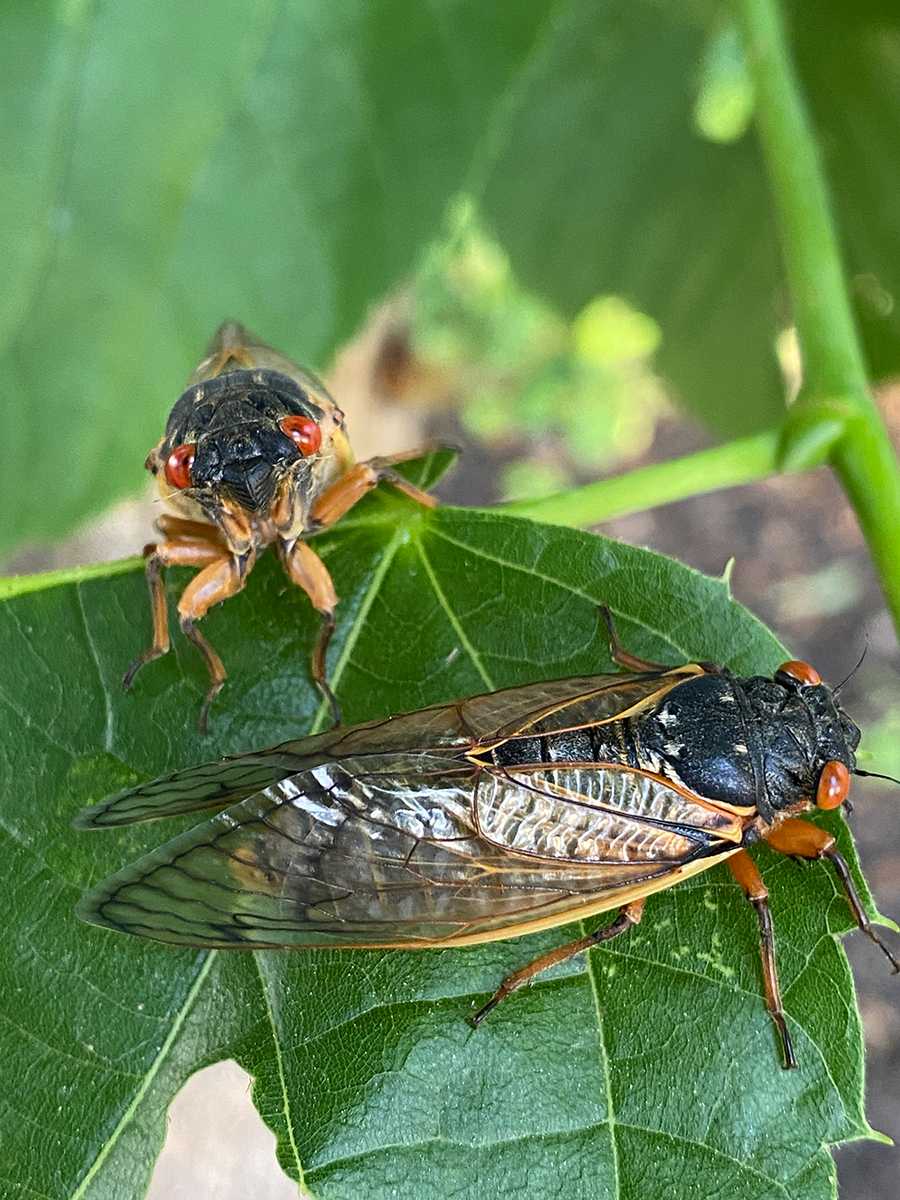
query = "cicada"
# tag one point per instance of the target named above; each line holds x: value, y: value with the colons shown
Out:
x: 494, y: 816
x: 255, y: 453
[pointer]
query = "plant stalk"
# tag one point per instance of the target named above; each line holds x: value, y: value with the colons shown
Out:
x: 834, y: 373
x: 742, y: 461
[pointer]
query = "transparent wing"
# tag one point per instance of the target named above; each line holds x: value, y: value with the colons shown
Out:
x: 604, y: 814
x: 440, y: 726
x: 602, y: 699
x: 209, y: 785
x: 375, y: 851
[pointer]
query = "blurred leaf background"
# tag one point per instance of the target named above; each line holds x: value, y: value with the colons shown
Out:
x: 291, y: 164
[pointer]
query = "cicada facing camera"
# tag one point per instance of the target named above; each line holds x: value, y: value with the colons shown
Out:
x: 255, y: 453
x: 499, y: 815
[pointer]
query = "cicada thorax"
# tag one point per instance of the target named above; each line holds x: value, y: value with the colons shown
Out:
x: 752, y: 748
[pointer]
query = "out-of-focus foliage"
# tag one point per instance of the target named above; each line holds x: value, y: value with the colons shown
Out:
x: 169, y: 165
x: 566, y: 396
x: 724, y: 105
x: 881, y: 750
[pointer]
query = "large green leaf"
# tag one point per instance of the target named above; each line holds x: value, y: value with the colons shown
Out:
x: 166, y: 166
x: 171, y: 165
x: 650, y: 1070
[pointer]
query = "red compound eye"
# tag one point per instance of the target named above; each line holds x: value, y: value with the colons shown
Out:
x: 834, y: 785
x: 800, y: 671
x: 304, y: 432
x: 178, y: 466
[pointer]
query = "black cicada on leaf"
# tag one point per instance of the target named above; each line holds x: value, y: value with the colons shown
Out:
x: 255, y: 454
x: 493, y: 816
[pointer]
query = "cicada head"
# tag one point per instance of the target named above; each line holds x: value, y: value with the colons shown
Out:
x: 809, y: 742
x: 252, y: 450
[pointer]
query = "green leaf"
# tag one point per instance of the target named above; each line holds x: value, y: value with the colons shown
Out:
x: 649, y: 1070
x: 168, y: 166
x: 172, y: 166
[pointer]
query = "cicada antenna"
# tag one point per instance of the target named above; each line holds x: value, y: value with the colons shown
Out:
x: 875, y: 775
x: 837, y: 690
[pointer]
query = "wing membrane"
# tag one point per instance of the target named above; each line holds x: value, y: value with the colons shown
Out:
x: 379, y: 850
x: 213, y: 785
x: 602, y: 698
x: 602, y: 814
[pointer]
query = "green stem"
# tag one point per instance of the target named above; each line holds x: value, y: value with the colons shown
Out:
x: 738, y: 462
x: 834, y: 384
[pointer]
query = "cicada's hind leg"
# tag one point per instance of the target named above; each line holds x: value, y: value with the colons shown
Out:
x: 805, y: 840
x: 618, y: 652
x: 629, y: 914
x: 746, y: 872
x: 306, y: 569
x: 340, y: 496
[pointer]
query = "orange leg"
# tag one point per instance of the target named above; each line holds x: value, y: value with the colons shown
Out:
x: 746, y: 872
x: 630, y: 914
x: 179, y: 529
x: 167, y: 554
x: 618, y: 652
x: 340, y: 496
x: 805, y: 840
x: 221, y: 576
x: 306, y: 569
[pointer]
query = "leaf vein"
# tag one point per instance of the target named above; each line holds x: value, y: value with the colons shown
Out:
x: 127, y: 1116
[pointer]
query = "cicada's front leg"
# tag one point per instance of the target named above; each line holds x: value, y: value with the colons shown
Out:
x: 804, y: 840
x: 306, y: 569
x: 189, y: 544
x: 340, y: 496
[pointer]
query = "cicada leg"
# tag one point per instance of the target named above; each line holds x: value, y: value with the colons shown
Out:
x: 805, y: 840
x: 221, y: 576
x: 630, y: 914
x: 184, y: 552
x: 181, y: 530
x: 619, y: 654
x: 306, y: 569
x: 224, y: 577
x: 340, y: 496
x: 746, y: 872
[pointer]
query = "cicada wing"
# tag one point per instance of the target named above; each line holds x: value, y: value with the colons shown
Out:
x: 234, y: 346
x: 604, y: 814
x: 209, y: 785
x: 361, y: 853
x: 217, y: 784
x: 600, y: 699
